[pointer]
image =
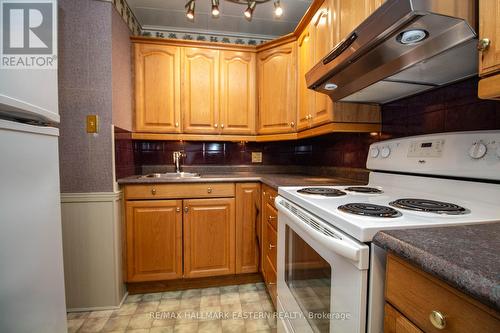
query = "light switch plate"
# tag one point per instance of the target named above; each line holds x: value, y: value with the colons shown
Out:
x: 256, y: 157
x: 92, y: 123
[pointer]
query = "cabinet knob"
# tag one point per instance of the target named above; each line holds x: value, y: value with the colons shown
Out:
x: 209, y: 190
x: 153, y: 191
x: 271, y: 283
x: 270, y: 218
x: 483, y: 44
x: 178, y: 209
x: 271, y: 246
x: 437, y: 320
x: 292, y: 124
x: 221, y: 125
x: 176, y: 124
x: 186, y: 209
x: 216, y: 125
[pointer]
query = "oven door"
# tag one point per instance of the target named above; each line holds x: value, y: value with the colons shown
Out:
x: 322, y: 275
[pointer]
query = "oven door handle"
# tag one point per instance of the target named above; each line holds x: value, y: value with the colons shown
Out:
x: 343, y: 246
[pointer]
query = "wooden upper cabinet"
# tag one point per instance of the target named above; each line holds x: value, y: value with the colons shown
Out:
x: 305, y: 103
x: 237, y: 92
x: 247, y: 223
x: 489, y: 28
x: 209, y: 235
x: 154, y: 240
x: 200, y: 90
x: 157, y: 88
x: 322, y: 28
x: 277, y: 89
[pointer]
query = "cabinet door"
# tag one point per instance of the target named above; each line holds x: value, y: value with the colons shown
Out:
x: 322, y: 35
x: 306, y: 96
x: 157, y: 88
x: 395, y: 322
x: 247, y: 221
x: 237, y: 92
x: 154, y: 240
x: 209, y: 234
x: 277, y: 89
x: 489, y: 27
x: 200, y: 90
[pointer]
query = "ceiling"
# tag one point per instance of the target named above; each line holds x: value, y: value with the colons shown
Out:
x: 170, y: 15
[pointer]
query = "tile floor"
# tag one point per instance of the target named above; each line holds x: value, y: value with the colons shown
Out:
x: 238, y: 308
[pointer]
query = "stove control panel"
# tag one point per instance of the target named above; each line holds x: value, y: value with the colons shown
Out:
x: 474, y: 154
x: 426, y: 148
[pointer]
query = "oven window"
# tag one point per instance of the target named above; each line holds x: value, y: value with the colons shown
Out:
x: 308, y: 276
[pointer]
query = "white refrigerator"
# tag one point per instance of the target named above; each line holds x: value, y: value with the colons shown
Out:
x: 32, y: 297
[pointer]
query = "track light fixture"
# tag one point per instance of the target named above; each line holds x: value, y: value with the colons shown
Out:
x: 248, y: 13
x: 215, y: 8
x: 190, y: 9
x: 278, y: 10
x: 250, y: 9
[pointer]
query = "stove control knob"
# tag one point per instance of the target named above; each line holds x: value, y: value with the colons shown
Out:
x: 478, y: 150
x: 374, y: 152
x: 386, y: 151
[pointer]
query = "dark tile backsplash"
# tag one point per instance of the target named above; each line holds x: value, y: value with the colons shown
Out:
x: 452, y: 108
x: 125, y: 163
x: 448, y: 109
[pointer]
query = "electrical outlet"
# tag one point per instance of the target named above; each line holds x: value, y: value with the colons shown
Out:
x: 256, y: 157
x: 92, y: 123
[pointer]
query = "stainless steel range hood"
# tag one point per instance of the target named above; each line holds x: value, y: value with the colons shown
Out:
x: 403, y: 48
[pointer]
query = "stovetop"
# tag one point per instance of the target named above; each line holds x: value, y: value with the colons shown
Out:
x: 392, y: 201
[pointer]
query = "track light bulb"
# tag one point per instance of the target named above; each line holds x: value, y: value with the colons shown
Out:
x: 190, y: 9
x: 215, y: 8
x: 278, y: 10
x: 250, y: 9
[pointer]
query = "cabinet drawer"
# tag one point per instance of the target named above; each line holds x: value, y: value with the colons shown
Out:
x: 395, y: 322
x: 269, y: 195
x: 417, y: 294
x: 179, y: 191
x: 270, y: 280
x: 271, y: 216
x: 271, y: 243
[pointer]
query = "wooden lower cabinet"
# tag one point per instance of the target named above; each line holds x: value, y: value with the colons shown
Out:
x: 247, y: 222
x: 269, y: 241
x: 395, y: 322
x: 209, y: 237
x: 154, y: 240
x: 415, y: 296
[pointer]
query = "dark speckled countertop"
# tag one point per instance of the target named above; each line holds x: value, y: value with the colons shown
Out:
x: 271, y: 179
x: 466, y: 257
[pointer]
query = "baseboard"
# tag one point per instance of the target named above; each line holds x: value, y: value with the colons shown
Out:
x: 182, y: 284
x: 99, y: 308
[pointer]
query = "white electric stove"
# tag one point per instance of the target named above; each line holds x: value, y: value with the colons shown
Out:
x: 330, y: 277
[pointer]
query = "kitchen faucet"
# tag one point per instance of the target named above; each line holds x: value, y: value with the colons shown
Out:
x: 177, y: 158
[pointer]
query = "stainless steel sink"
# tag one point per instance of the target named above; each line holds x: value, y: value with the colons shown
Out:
x: 172, y: 175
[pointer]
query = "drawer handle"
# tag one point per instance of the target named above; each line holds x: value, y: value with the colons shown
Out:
x: 178, y: 209
x: 270, y: 218
x: 271, y: 246
x: 437, y: 319
x: 209, y: 190
x: 153, y: 191
x: 271, y: 283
